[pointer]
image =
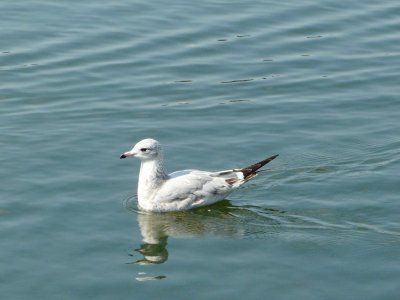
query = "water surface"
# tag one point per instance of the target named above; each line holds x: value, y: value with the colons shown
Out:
x: 221, y: 85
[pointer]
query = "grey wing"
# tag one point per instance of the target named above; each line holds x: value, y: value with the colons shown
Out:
x: 194, y: 186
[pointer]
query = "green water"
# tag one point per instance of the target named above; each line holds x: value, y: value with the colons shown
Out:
x: 221, y: 84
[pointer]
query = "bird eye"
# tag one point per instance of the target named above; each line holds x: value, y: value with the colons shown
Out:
x: 143, y: 149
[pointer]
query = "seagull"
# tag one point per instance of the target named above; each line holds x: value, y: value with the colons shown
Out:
x: 186, y: 189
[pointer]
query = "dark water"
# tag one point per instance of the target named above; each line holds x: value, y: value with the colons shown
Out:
x: 221, y: 84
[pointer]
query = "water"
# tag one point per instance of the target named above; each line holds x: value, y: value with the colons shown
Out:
x: 221, y: 84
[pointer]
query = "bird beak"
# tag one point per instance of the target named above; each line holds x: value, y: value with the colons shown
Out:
x: 127, y: 154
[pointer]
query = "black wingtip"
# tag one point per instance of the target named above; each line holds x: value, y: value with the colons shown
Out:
x: 273, y: 156
x: 264, y: 162
x: 252, y: 170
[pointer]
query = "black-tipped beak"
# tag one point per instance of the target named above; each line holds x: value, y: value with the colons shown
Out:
x: 127, y: 154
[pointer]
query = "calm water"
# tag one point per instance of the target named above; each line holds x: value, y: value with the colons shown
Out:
x: 221, y: 84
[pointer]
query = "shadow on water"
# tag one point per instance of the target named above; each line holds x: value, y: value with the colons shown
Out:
x: 226, y: 220
x: 222, y: 219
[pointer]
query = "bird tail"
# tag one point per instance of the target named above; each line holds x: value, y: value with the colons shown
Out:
x: 251, y: 171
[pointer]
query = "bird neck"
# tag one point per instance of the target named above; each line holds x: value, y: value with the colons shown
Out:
x: 151, y: 176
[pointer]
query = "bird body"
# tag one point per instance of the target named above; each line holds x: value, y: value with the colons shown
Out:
x: 186, y: 189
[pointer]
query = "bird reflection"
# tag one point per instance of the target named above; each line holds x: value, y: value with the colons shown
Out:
x: 153, y: 253
x: 221, y: 220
